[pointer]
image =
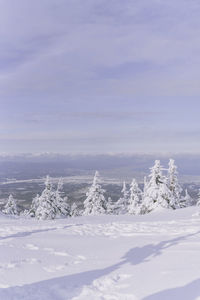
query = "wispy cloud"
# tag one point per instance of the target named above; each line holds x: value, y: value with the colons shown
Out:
x: 99, y: 66
x: 107, y: 39
x: 92, y: 115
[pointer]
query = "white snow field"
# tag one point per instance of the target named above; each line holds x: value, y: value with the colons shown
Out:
x: 150, y: 257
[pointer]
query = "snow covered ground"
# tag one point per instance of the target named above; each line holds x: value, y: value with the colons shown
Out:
x: 151, y: 257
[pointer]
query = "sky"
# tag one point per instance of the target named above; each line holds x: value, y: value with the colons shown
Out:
x: 99, y: 76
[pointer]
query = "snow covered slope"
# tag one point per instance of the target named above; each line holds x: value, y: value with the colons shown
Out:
x: 151, y: 257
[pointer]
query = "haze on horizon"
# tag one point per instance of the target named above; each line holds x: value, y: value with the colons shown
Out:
x: 99, y: 76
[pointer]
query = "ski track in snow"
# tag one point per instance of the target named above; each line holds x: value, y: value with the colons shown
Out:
x: 101, y: 258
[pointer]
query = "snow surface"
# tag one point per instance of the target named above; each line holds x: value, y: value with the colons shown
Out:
x: 151, y: 257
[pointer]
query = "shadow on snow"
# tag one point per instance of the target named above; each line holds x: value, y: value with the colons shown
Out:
x: 68, y: 286
x: 187, y: 292
x: 28, y: 233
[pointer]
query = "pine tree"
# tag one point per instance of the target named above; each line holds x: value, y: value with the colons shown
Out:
x: 63, y: 208
x: 157, y: 193
x: 198, y: 200
x: 25, y: 213
x: 186, y: 200
x: 125, y: 194
x: 174, y: 186
x: 95, y: 203
x: 167, y: 197
x: 11, y: 207
x: 145, y: 186
x: 152, y: 188
x: 34, y: 206
x: 74, y: 212
x: 109, y: 206
x: 135, y: 198
x: 143, y: 209
x: 121, y: 206
x: 47, y: 208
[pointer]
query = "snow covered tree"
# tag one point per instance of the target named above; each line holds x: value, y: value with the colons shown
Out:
x: 145, y: 186
x: 47, y: 208
x: 121, y: 206
x: 25, y: 213
x: 152, y: 192
x: 109, y: 206
x: 144, y: 196
x: 157, y: 193
x: 74, y: 212
x: 95, y: 203
x: 186, y: 200
x: 125, y: 194
x: 34, y: 206
x: 167, y: 197
x: 173, y: 183
x: 11, y: 207
x: 63, y: 208
x: 198, y: 200
x: 135, y: 198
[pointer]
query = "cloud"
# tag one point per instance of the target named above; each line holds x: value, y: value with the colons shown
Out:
x: 71, y: 48
x: 93, y: 115
x: 129, y: 142
x: 99, y: 66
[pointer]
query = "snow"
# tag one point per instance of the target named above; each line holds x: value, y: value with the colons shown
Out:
x: 125, y: 257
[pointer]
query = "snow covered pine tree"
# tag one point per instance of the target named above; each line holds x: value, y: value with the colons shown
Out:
x: 174, y: 184
x: 135, y: 198
x: 95, y: 203
x: 34, y: 206
x: 47, y: 208
x: 10, y: 207
x: 121, y: 206
x: 157, y: 194
x: 74, y: 212
x: 62, y: 207
x: 110, y: 206
x: 186, y: 200
x: 198, y: 199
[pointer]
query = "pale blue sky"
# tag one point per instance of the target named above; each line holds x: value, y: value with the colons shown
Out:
x: 99, y: 76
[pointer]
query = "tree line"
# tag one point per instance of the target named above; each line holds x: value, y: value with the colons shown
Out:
x: 160, y: 191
